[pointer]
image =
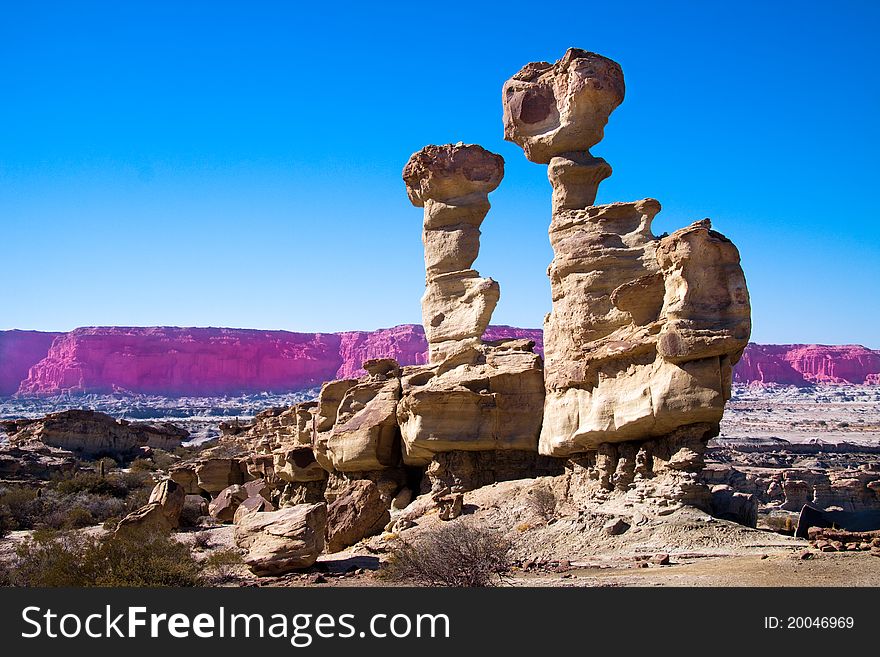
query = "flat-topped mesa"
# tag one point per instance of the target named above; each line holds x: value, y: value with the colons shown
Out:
x: 452, y: 183
x: 557, y: 112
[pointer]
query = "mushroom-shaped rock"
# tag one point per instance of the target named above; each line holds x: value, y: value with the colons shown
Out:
x: 451, y: 171
x: 452, y: 183
x: 557, y: 109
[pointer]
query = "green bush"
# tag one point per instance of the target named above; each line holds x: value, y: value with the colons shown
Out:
x: 130, y: 557
x: 18, y: 507
x: 143, y: 465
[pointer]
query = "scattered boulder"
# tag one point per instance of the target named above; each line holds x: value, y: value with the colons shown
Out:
x: 162, y: 511
x: 223, y: 506
x: 359, y: 511
x: 282, y: 541
x: 450, y: 506
x: 171, y: 497
x: 150, y: 516
x: 615, y: 527
x: 254, y: 504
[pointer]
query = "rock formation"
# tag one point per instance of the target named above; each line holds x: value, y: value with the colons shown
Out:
x: 19, y: 351
x: 93, y: 434
x: 804, y: 365
x: 644, y: 331
x: 452, y: 183
x: 212, y: 365
x: 162, y: 511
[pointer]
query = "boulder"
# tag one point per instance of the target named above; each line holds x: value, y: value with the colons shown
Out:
x: 162, y: 511
x: 366, y: 435
x: 733, y: 505
x: 556, y: 109
x: 357, y: 512
x: 171, y: 496
x: 224, y: 505
x: 254, y: 504
x: 297, y: 463
x: 151, y: 517
x: 215, y: 474
x: 279, y: 542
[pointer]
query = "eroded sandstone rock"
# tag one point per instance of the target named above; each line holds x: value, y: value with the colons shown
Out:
x: 644, y: 331
x: 365, y: 435
x: 94, y: 434
x: 357, y: 512
x: 162, y: 511
x: 279, y: 542
x: 488, y: 398
x: 452, y: 183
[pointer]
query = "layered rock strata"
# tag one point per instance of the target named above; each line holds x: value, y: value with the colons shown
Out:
x: 644, y: 331
x: 452, y: 183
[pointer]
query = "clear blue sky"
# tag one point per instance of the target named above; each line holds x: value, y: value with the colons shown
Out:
x: 238, y: 164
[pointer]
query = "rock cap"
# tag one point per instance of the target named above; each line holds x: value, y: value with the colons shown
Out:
x: 451, y: 171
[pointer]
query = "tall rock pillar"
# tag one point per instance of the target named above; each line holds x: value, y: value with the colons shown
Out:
x: 452, y: 183
x: 643, y: 330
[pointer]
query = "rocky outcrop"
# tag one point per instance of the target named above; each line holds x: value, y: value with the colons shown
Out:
x: 452, y: 183
x: 19, y: 352
x: 644, y: 331
x: 808, y: 364
x: 795, y: 364
x: 211, y: 474
x: 789, y: 489
x: 93, y: 434
x: 282, y: 541
x: 35, y: 461
x: 201, y: 361
x: 364, y: 435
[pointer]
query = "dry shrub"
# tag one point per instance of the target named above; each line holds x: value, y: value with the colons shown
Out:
x: 201, y: 540
x: 542, y: 501
x: 222, y: 565
x: 130, y: 557
x: 457, y: 553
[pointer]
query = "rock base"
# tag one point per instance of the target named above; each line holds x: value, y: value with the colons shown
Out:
x: 460, y: 471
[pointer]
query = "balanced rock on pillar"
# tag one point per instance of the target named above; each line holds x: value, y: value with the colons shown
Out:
x: 557, y: 113
x: 643, y: 331
x: 452, y: 183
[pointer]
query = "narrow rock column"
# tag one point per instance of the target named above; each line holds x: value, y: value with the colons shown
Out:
x: 452, y: 183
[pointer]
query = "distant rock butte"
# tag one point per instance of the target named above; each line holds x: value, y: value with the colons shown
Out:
x: 210, y: 361
x: 19, y: 351
x: 808, y: 364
